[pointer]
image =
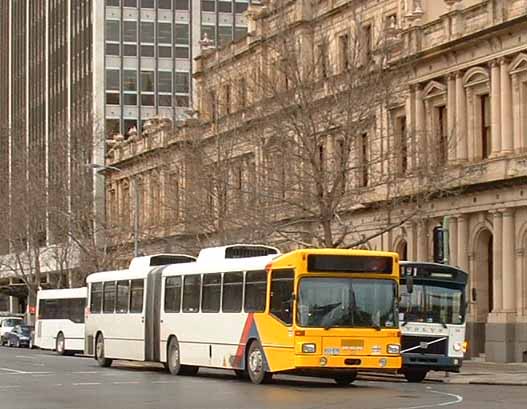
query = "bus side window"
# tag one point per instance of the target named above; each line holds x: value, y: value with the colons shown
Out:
x: 108, y: 304
x: 191, y: 293
x: 255, y: 291
x: 232, y: 292
x: 96, y: 298
x: 136, y: 296
x: 282, y: 295
x: 172, y: 294
x: 211, y: 293
x: 123, y: 295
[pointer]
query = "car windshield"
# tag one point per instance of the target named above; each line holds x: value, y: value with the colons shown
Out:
x: 11, y: 322
x: 25, y: 330
x: 433, y: 303
x: 347, y: 302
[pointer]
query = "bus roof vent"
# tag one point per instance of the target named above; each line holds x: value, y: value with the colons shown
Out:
x: 237, y: 251
x: 159, y: 260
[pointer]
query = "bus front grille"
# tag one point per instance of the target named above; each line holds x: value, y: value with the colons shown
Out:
x: 423, y: 346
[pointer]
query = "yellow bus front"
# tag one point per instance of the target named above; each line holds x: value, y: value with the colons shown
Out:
x: 341, y: 318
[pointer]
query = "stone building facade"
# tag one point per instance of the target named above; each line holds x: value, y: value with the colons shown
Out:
x: 467, y: 82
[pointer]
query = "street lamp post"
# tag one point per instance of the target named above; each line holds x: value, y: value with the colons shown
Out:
x: 100, y: 168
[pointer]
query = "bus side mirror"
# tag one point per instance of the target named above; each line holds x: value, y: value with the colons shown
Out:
x: 409, y: 284
x: 474, y: 295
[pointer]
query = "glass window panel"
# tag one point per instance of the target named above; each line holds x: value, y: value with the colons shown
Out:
x: 130, y: 99
x: 182, y: 52
x: 182, y: 82
x: 123, y: 294
x: 130, y: 3
x: 211, y: 293
x: 191, y: 293
x: 182, y: 100
x: 147, y: 4
x: 255, y: 291
x: 147, y: 32
x: 232, y: 292
x: 112, y: 80
x: 147, y: 100
x: 281, y: 304
x: 129, y: 124
x: 164, y: 33
x: 112, y: 49
x: 164, y: 52
x: 164, y: 4
x: 240, y: 7
x: 112, y: 30
x: 224, y: 35
x: 147, y: 81
x: 129, y: 50
x: 239, y: 33
x: 112, y: 127
x: 95, y: 298
x: 147, y: 51
x: 211, y: 33
x: 164, y: 100
x: 136, y: 296
x: 130, y: 31
x: 181, y: 34
x: 173, y: 294
x: 225, y: 7
x: 109, y: 297
x: 112, y: 3
x: 164, y: 81
x: 208, y: 5
x: 112, y: 98
x: 129, y: 80
x: 181, y: 4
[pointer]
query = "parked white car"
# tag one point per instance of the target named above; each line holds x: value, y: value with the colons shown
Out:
x: 7, y: 324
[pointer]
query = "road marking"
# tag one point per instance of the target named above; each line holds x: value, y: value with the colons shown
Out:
x: 85, y: 372
x: 126, y: 383
x: 10, y: 386
x: 164, y: 382
x: 17, y: 372
x: 86, y: 383
x: 13, y: 371
x: 457, y: 399
x: 41, y: 374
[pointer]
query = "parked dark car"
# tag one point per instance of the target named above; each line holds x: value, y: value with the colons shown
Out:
x: 19, y: 336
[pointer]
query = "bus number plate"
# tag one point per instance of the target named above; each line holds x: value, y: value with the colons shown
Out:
x: 353, y: 344
x: 331, y: 351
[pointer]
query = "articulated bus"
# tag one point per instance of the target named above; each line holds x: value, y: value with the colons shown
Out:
x: 432, y: 318
x: 60, y: 320
x: 321, y: 312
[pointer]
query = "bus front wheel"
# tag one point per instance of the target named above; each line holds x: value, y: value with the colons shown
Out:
x: 256, y: 364
x: 345, y: 380
x: 99, y: 353
x: 415, y: 376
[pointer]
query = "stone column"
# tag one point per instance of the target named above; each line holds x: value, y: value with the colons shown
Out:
x: 410, y: 122
x: 508, y: 261
x: 461, y: 139
x: 495, y: 105
x: 462, y: 242
x: 517, y: 114
x: 519, y: 281
x: 452, y: 238
x: 497, y: 243
x: 451, y: 117
x: 422, y: 241
x: 410, y: 240
x: 420, y: 128
x: 506, y: 107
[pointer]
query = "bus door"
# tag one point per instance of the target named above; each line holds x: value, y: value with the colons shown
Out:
x: 153, y: 316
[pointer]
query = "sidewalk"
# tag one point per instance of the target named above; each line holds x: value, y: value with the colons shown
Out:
x: 485, y: 373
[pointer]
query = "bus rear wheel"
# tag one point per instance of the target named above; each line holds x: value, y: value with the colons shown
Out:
x: 256, y: 366
x: 60, y: 344
x: 415, y: 375
x: 345, y: 380
x: 99, y: 353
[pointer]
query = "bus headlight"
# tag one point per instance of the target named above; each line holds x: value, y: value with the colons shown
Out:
x: 394, y: 348
x: 458, y: 346
x: 309, y: 348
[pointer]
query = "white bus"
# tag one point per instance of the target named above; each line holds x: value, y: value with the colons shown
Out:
x: 432, y: 318
x: 60, y: 320
x: 122, y: 309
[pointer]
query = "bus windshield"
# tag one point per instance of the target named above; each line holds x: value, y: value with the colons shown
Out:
x: 347, y: 302
x: 433, y: 303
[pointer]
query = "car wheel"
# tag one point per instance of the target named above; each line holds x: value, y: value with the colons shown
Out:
x: 60, y: 344
x: 17, y: 343
x: 345, y: 380
x: 256, y: 364
x: 8, y: 342
x: 99, y: 353
x: 30, y: 345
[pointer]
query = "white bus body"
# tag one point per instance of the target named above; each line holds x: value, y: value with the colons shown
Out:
x: 60, y: 320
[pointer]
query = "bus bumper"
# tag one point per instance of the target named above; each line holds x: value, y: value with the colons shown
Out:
x: 350, y: 363
x: 432, y: 362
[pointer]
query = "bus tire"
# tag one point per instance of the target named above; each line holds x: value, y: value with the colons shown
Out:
x: 345, y: 380
x: 255, y: 364
x: 173, y: 357
x: 60, y: 344
x: 415, y: 376
x: 99, y: 353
